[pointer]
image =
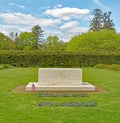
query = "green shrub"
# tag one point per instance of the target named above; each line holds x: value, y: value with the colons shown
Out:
x: 5, y: 66
x: 115, y: 67
x: 1, y: 67
x: 47, y: 59
x: 102, y: 66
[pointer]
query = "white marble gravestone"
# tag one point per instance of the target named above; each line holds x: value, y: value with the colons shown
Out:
x: 60, y: 79
x: 60, y: 76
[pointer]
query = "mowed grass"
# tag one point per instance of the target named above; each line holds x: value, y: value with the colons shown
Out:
x: 22, y: 107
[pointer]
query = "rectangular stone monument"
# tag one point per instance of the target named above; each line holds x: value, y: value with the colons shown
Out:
x: 60, y: 76
x: 60, y: 79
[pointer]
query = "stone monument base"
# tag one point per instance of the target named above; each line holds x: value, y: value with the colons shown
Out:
x: 59, y: 79
x: 84, y: 87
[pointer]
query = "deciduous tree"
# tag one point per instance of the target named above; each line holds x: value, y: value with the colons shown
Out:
x: 6, y: 43
x: 26, y: 41
x: 53, y: 44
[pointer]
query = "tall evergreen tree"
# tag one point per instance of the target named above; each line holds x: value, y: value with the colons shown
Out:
x: 96, y: 22
x: 37, y: 30
x: 107, y: 22
x: 101, y: 21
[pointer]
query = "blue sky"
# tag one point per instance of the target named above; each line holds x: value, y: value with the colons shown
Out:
x: 64, y: 18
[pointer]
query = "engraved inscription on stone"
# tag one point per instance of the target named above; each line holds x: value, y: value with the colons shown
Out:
x: 60, y: 79
x: 60, y: 76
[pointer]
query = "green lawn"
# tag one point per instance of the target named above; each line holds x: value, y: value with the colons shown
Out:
x: 22, y: 107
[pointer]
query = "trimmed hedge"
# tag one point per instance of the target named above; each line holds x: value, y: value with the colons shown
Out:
x: 45, y: 59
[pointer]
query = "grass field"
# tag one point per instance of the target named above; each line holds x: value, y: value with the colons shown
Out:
x: 23, y: 108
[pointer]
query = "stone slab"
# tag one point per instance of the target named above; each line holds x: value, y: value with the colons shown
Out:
x: 59, y: 79
x: 84, y: 87
x: 60, y: 76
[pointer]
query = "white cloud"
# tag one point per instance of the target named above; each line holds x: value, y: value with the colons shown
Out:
x: 67, y: 34
x: 66, y: 13
x: 49, y: 22
x: 51, y: 32
x: 21, y: 22
x: 6, y: 29
x: 27, y: 19
x: 69, y: 25
x: 78, y: 30
x: 17, y: 18
x: 64, y: 33
x: 71, y: 29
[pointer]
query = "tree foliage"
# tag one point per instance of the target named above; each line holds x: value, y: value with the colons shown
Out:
x: 6, y: 43
x: 96, y: 22
x: 101, y: 21
x: 26, y: 41
x: 37, y: 30
x: 101, y: 37
x: 107, y: 22
x: 105, y: 40
x: 53, y: 44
